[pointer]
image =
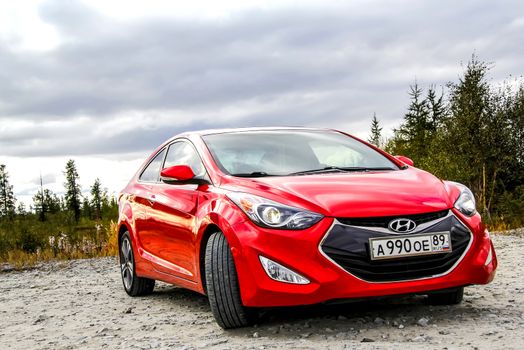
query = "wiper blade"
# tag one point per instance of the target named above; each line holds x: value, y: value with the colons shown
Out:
x: 330, y: 169
x: 253, y: 174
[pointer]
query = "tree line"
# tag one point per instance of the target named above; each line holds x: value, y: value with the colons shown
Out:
x: 46, y: 202
x: 472, y: 132
x: 72, y: 225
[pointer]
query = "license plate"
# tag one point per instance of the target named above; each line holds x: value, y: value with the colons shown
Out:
x: 409, y: 245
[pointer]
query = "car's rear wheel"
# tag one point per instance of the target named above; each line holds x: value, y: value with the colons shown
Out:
x: 133, y: 285
x: 448, y: 297
x: 222, y: 285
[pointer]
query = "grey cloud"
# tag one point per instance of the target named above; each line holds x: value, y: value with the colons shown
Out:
x: 359, y: 60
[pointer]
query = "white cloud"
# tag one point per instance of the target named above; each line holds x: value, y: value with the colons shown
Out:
x: 21, y: 27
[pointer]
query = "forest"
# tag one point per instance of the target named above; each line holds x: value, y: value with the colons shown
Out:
x: 57, y: 227
x: 470, y: 131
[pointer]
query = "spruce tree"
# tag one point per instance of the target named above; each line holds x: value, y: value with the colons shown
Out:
x: 73, y: 190
x: 39, y: 202
x: 375, y: 137
x: 437, y: 110
x: 44, y: 202
x: 97, y: 197
x: 479, y: 132
x: 86, y: 208
x: 20, y: 209
x: 415, y: 127
x: 7, y: 197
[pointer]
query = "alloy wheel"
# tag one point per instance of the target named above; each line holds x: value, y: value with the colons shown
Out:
x: 126, y: 263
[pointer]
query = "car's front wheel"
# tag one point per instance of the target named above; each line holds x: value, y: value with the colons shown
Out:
x: 133, y: 285
x: 222, y: 285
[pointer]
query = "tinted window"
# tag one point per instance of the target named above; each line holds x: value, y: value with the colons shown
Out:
x: 182, y: 153
x: 283, y: 152
x: 152, y: 172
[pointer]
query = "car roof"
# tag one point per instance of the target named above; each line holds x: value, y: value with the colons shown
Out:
x: 252, y: 129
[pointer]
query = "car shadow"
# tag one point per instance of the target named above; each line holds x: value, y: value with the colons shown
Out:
x: 325, y: 319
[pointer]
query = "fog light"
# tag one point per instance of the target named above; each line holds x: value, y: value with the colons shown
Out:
x: 489, y: 258
x: 280, y: 273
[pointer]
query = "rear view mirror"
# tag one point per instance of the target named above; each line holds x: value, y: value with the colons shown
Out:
x: 177, y: 173
x: 405, y: 160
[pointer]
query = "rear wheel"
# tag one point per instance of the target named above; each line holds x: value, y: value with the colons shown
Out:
x: 133, y: 285
x: 448, y: 297
x: 222, y: 285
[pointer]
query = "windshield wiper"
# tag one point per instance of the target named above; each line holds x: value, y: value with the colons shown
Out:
x: 330, y: 169
x: 253, y: 174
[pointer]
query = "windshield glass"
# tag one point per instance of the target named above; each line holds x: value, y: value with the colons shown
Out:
x: 286, y: 152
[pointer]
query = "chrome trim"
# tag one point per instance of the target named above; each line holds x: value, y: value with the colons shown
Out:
x: 387, y: 230
x: 335, y: 222
x: 396, y: 225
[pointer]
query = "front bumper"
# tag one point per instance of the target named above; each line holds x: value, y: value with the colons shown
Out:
x: 299, y: 251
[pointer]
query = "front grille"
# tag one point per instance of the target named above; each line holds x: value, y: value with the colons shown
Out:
x: 348, y: 246
x: 383, y: 221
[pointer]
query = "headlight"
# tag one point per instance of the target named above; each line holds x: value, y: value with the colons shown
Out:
x: 267, y: 213
x: 465, y: 203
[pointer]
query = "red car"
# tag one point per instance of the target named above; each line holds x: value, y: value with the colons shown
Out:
x: 292, y: 216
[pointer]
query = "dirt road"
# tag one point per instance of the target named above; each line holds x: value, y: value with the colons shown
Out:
x: 82, y: 305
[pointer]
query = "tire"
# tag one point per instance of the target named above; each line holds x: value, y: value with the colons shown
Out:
x: 222, y: 285
x: 133, y: 285
x: 448, y: 297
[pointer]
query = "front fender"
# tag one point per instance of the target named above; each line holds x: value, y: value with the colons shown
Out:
x: 221, y: 213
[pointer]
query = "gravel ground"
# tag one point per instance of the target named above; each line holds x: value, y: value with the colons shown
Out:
x: 81, y: 305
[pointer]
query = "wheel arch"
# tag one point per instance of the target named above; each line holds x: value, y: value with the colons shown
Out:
x: 122, y: 228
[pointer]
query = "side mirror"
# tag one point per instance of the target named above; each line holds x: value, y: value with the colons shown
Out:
x: 177, y: 173
x: 405, y: 160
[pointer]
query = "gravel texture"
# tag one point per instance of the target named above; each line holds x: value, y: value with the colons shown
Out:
x: 82, y: 305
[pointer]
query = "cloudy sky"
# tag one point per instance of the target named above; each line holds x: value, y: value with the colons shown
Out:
x: 104, y: 82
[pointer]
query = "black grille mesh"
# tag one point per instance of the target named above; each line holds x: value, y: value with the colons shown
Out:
x: 349, y: 247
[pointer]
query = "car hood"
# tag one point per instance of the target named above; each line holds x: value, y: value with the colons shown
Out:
x: 357, y: 194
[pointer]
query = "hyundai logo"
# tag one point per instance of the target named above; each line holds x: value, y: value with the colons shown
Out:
x: 402, y: 225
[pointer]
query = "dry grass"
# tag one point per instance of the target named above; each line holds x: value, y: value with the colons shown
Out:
x: 111, y: 247
x: 19, y: 259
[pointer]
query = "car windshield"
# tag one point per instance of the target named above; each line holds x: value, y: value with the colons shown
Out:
x: 292, y: 152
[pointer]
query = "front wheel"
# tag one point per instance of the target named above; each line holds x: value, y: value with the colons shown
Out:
x: 448, y: 297
x: 133, y: 285
x: 222, y: 285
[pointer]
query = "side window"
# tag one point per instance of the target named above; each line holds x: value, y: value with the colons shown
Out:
x: 182, y: 153
x: 152, y: 172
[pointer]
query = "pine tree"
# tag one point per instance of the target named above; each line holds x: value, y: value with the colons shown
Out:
x: 375, y: 137
x: 20, y: 209
x: 479, y: 132
x: 86, y: 208
x: 7, y: 197
x: 39, y: 202
x: 516, y: 121
x: 437, y: 110
x: 73, y: 190
x: 415, y: 127
x: 97, y: 197
x: 44, y: 202
x: 412, y: 137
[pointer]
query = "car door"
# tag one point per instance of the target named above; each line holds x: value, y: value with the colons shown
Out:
x: 142, y: 201
x: 171, y: 217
